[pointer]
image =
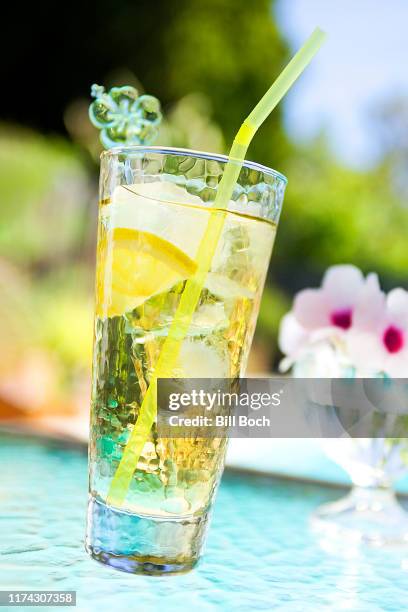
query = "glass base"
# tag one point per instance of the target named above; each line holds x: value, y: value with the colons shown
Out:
x: 143, y: 544
x: 369, y: 516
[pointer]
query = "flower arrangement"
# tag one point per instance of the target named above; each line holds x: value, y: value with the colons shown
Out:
x: 348, y: 322
x: 349, y: 327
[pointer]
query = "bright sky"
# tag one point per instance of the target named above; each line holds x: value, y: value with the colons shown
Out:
x: 364, y: 61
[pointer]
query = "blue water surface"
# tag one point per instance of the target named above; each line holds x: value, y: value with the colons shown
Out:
x: 261, y: 553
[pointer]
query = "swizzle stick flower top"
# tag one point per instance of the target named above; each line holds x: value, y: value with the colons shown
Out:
x: 124, y: 117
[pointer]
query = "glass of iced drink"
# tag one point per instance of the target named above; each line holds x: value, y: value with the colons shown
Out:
x: 154, y: 208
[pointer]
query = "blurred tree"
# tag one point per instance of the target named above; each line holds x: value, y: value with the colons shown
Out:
x: 47, y: 228
x: 335, y: 214
x: 228, y: 51
x: 389, y: 122
x: 231, y: 52
x: 44, y: 217
x: 188, y: 124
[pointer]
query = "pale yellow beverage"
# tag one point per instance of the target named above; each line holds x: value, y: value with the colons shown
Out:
x: 149, y: 233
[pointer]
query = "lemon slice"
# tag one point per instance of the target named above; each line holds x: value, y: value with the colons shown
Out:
x: 134, y: 265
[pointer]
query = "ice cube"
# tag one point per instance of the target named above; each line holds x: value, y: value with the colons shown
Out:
x: 198, y: 360
x: 155, y: 208
x: 225, y: 288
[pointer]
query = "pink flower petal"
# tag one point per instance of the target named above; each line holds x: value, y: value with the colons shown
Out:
x: 311, y: 308
x: 342, y: 284
x: 370, y: 307
x: 397, y: 307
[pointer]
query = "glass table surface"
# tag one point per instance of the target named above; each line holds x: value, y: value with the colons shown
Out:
x: 261, y: 553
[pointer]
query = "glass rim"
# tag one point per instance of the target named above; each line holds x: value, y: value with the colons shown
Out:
x: 218, y: 157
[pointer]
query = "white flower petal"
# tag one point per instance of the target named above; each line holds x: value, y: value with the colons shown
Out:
x: 320, y: 361
x: 370, y: 308
x: 292, y: 336
x: 396, y: 364
x: 330, y: 334
x: 342, y: 285
x: 366, y: 351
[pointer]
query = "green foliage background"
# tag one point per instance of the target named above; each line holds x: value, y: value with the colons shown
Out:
x: 209, y: 62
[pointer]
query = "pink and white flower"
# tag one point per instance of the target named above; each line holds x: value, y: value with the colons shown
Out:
x: 349, y: 313
x: 327, y: 313
x: 380, y: 343
x: 334, y: 303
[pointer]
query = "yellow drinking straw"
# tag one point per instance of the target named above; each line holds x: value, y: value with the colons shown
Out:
x: 189, y: 299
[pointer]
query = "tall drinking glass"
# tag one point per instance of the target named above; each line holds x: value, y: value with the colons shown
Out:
x: 154, y: 208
